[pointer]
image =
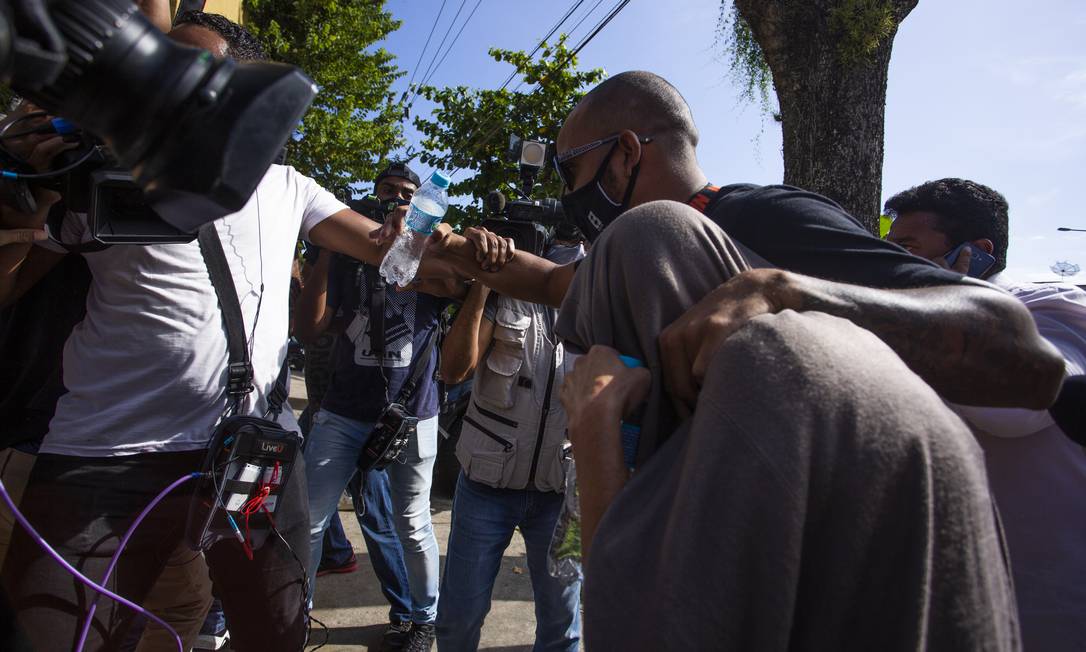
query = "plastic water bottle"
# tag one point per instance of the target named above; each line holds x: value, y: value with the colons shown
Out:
x: 428, y: 206
x: 631, y: 426
x: 564, y: 554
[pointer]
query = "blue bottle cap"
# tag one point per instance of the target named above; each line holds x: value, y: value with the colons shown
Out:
x: 439, y: 180
x: 62, y: 126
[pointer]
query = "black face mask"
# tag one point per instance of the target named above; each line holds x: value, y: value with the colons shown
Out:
x: 590, y: 208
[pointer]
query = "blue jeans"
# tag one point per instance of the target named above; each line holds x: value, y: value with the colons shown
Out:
x: 373, y: 508
x: 336, y: 548
x: 331, y: 454
x: 483, y: 520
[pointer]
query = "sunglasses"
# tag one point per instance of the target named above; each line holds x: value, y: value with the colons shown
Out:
x: 560, y: 160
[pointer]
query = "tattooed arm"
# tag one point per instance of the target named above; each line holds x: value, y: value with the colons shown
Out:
x: 973, y: 343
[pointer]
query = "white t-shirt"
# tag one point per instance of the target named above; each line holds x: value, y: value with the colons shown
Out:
x: 1038, y: 477
x: 146, y: 368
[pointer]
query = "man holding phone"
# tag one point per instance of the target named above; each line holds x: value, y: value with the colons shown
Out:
x: 1037, y: 474
x: 957, y: 224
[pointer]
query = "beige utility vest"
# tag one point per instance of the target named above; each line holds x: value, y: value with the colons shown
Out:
x: 514, y: 430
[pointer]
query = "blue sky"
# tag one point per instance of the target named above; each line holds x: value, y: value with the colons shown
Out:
x: 990, y: 90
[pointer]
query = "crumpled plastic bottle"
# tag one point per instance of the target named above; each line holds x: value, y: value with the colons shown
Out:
x: 564, y: 556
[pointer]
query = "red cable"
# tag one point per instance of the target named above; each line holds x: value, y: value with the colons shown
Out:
x: 257, y: 504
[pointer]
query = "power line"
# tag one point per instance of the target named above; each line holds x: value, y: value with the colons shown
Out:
x: 580, y: 46
x: 584, y: 17
x: 455, y: 39
x: 424, y: 48
x: 584, y: 41
x: 599, y: 27
x: 543, y: 40
x: 439, y: 46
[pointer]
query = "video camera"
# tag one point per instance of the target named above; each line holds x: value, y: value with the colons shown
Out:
x: 374, y: 208
x: 525, y: 220
x: 195, y: 134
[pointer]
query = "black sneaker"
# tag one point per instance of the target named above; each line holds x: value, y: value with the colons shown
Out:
x: 395, y: 636
x: 421, y: 638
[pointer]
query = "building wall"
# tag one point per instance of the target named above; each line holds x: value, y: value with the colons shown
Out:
x: 229, y: 8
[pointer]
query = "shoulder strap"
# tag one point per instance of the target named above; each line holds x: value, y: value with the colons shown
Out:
x: 240, y: 369
x: 377, y: 313
x: 419, y: 368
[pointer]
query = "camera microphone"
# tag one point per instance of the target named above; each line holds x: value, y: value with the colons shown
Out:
x: 495, y: 202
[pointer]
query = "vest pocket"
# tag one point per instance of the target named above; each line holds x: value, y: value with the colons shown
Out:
x: 511, y: 326
x: 498, y: 381
x: 486, y: 457
x: 550, y: 475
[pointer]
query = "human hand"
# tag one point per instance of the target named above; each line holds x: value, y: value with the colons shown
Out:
x: 602, y: 387
x: 36, y: 149
x: 961, y: 265
x: 46, y: 148
x: 10, y: 218
x: 492, y: 251
x: 394, y: 223
x: 688, y: 344
x: 22, y: 236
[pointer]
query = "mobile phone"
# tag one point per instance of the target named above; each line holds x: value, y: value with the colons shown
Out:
x: 979, y: 264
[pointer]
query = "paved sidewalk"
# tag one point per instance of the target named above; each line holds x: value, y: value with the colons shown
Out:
x: 355, y: 611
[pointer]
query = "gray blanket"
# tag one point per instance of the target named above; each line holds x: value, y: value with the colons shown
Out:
x: 820, y: 498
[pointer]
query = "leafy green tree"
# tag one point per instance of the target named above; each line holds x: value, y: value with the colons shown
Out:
x: 470, y: 128
x: 354, y: 122
x: 827, y: 60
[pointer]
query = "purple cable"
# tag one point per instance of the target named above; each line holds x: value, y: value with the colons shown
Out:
x: 117, y: 556
x: 80, y: 576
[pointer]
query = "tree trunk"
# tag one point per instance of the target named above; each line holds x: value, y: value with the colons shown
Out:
x: 832, y: 107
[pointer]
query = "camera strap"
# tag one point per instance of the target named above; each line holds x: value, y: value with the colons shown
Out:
x: 417, y: 370
x: 239, y: 379
x: 377, y: 289
x: 377, y: 295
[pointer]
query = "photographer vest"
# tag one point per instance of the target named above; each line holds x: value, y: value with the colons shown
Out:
x: 514, y: 431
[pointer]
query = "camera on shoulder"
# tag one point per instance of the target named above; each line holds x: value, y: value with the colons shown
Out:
x: 525, y: 220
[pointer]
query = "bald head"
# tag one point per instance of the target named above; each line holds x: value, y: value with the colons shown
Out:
x: 655, y: 131
x: 642, y: 102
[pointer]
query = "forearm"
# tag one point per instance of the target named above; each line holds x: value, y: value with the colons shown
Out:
x: 460, y: 352
x: 525, y: 277
x: 601, y: 471
x: 310, y: 319
x: 973, y: 344
x: 12, y: 257
x: 348, y: 233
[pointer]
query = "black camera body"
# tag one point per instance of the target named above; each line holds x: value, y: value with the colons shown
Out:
x: 196, y: 133
x: 394, y: 430
x: 374, y: 208
x: 116, y: 208
x: 525, y: 221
